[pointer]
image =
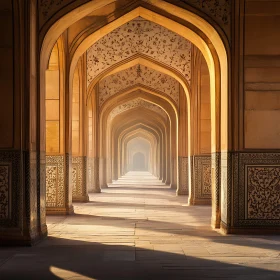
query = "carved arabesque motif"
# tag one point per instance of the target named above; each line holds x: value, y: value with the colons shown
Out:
x: 202, y: 177
x: 206, y: 171
x: 219, y: 10
x: 135, y: 75
x: 77, y: 177
x: 4, y: 191
x: 55, y: 186
x: 139, y: 36
x: 183, y: 176
x: 138, y: 102
x: 263, y: 190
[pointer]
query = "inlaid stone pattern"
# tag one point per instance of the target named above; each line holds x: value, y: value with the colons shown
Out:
x: 263, y: 191
x: 139, y: 36
x: 219, y: 10
x: 4, y: 191
x: 77, y: 177
x: 256, y: 189
x: 138, y: 102
x: 202, y: 177
x: 183, y: 176
x: 47, y: 8
x: 135, y: 75
x: 55, y: 193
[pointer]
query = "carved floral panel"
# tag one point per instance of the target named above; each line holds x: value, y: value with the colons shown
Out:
x: 77, y: 177
x: 4, y: 191
x: 202, y: 177
x: 55, y: 187
x: 140, y: 36
x: 263, y: 191
x: 135, y: 75
x: 183, y: 176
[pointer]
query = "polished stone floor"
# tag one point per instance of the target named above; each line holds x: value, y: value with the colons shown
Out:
x: 141, y: 231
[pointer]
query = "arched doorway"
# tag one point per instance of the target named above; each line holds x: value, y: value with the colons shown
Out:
x: 216, y: 60
x: 139, y: 162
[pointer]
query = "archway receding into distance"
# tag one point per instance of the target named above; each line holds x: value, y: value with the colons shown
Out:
x: 169, y: 119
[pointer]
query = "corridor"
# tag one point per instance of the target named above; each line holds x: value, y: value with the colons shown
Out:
x: 143, y: 231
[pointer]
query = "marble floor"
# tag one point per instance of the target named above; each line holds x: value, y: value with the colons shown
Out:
x: 141, y: 231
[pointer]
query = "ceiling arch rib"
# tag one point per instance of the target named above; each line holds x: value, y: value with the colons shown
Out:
x: 134, y: 75
x: 135, y: 103
x: 123, y: 97
x: 139, y: 36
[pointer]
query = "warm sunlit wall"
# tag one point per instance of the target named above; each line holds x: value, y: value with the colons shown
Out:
x: 76, y: 113
x: 53, y: 103
x: 262, y: 75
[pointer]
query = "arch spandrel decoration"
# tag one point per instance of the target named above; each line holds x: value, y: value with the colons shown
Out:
x: 134, y: 75
x: 135, y: 103
x: 151, y: 40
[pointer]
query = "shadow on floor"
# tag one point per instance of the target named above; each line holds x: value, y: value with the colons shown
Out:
x: 59, y: 258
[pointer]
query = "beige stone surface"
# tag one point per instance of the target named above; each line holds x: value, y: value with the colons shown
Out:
x: 141, y: 232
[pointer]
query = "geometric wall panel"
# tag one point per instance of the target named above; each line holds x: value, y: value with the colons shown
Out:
x: 202, y: 179
x: 5, y: 191
x: 55, y: 182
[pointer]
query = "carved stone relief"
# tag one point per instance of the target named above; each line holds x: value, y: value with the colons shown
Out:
x: 55, y: 187
x: 11, y: 204
x: 135, y: 75
x: 139, y: 37
x: 4, y: 191
x: 263, y: 192
x: 219, y: 10
x: 183, y: 176
x: 93, y: 175
x: 78, y: 178
x: 138, y: 102
x: 202, y: 178
x: 256, y: 189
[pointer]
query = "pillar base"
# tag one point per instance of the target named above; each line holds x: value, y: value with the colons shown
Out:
x: 60, y: 211
x: 215, y: 222
x: 81, y: 198
x: 15, y: 237
x: 225, y: 229
x: 200, y: 202
x: 173, y: 186
x: 182, y: 192
x: 95, y: 191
